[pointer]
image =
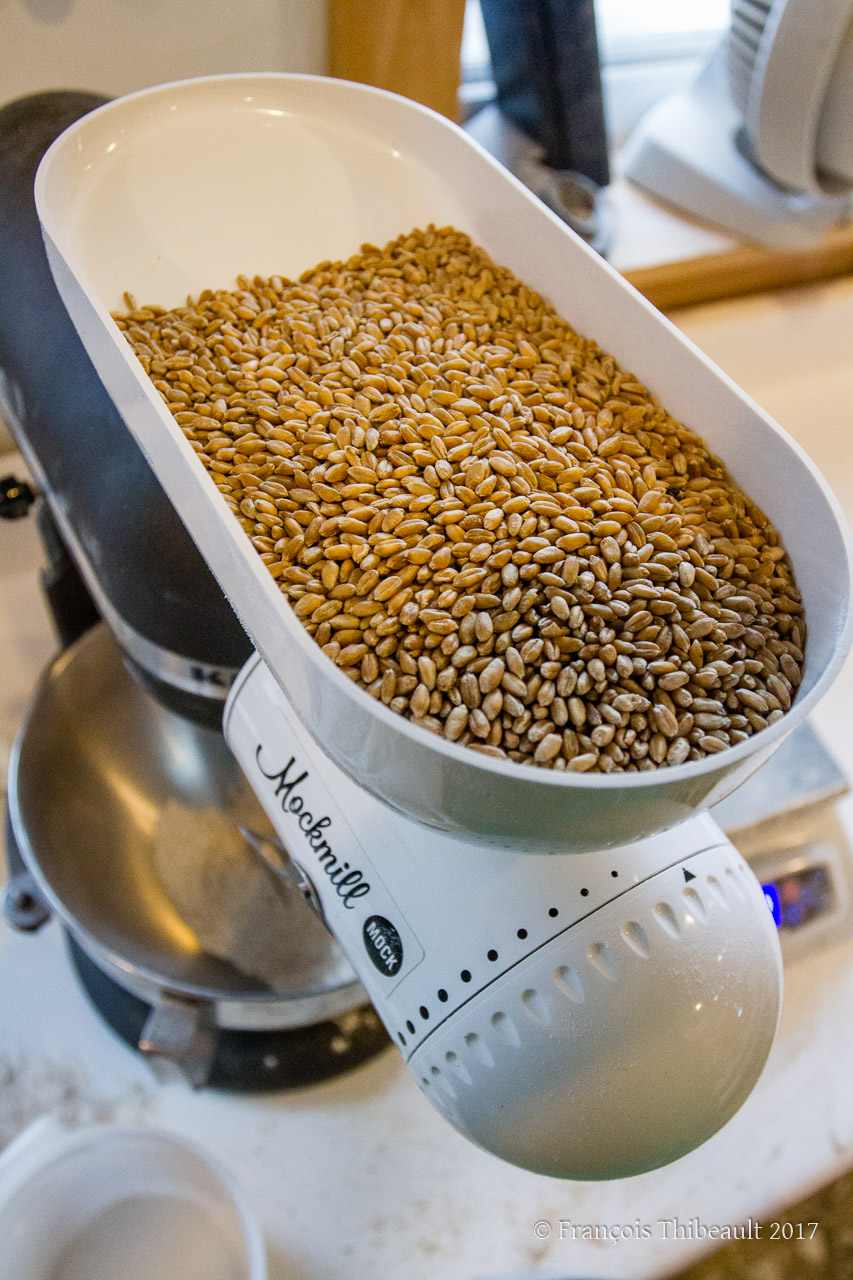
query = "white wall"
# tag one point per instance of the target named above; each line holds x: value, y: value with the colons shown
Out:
x: 116, y: 46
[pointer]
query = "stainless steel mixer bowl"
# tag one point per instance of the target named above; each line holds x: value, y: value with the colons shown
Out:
x: 95, y: 762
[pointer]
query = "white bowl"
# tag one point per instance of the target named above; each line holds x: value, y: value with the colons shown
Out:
x: 134, y: 196
x: 101, y: 1203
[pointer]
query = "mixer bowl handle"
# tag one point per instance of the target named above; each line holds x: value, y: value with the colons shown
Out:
x: 174, y: 1032
x: 22, y: 905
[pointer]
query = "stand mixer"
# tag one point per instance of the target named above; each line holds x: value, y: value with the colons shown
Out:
x: 581, y: 972
x: 132, y: 708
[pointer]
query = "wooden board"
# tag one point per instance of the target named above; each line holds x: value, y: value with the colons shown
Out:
x: 411, y: 47
x: 743, y: 269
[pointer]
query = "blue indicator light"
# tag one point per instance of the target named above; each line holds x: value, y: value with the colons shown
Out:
x: 771, y: 896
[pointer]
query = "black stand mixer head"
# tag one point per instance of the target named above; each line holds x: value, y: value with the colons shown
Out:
x: 148, y: 581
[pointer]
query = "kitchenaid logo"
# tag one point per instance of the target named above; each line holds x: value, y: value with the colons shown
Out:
x: 384, y: 944
x: 349, y: 882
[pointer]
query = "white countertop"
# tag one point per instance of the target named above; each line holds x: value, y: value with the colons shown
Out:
x: 360, y: 1177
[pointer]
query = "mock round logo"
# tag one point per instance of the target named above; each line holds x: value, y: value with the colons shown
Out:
x: 383, y: 944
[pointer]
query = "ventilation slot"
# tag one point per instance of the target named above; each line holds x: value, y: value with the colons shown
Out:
x: 716, y: 891
x: 665, y: 917
x: 731, y: 881
x: 603, y: 960
x: 568, y: 982
x: 536, y: 1008
x: 479, y: 1049
x: 506, y: 1029
x: 695, y: 904
x: 442, y: 1083
x: 749, y: 18
x: 457, y: 1066
x: 635, y: 936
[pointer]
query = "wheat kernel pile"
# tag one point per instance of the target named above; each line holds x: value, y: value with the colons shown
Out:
x: 477, y: 514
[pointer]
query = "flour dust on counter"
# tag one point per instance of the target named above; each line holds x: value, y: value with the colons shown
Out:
x: 32, y: 1086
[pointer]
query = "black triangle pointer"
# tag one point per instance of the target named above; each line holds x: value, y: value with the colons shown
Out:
x: 688, y: 875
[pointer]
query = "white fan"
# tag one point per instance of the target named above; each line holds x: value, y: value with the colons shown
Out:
x: 762, y: 143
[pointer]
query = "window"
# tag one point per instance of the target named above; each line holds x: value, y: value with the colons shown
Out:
x: 635, y: 32
x: 648, y: 48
